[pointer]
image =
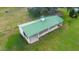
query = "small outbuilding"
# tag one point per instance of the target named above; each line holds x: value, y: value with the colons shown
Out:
x: 33, y: 30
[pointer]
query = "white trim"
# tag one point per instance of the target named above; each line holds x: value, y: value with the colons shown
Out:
x: 24, y: 24
x: 49, y: 30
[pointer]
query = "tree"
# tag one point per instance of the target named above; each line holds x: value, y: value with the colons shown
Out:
x: 42, y: 11
x: 34, y: 12
x: 73, y: 12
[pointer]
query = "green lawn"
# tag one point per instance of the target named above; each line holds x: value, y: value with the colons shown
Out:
x: 64, y: 38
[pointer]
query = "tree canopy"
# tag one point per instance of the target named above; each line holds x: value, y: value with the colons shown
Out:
x: 42, y: 11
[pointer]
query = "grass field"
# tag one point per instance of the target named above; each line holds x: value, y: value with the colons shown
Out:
x: 9, y: 23
x: 64, y: 38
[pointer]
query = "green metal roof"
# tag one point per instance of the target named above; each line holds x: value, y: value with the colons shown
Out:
x: 39, y: 25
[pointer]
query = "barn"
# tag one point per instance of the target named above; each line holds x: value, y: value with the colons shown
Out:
x: 33, y: 30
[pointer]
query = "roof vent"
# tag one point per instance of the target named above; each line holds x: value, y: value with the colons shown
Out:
x: 76, y: 9
x: 42, y: 18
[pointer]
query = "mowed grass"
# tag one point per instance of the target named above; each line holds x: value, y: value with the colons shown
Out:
x: 15, y: 42
x: 65, y: 38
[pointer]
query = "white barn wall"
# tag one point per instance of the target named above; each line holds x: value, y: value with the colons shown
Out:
x: 49, y: 30
x: 30, y: 40
x: 21, y: 32
x: 34, y: 39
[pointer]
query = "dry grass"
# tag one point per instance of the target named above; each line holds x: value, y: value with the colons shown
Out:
x: 9, y: 22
